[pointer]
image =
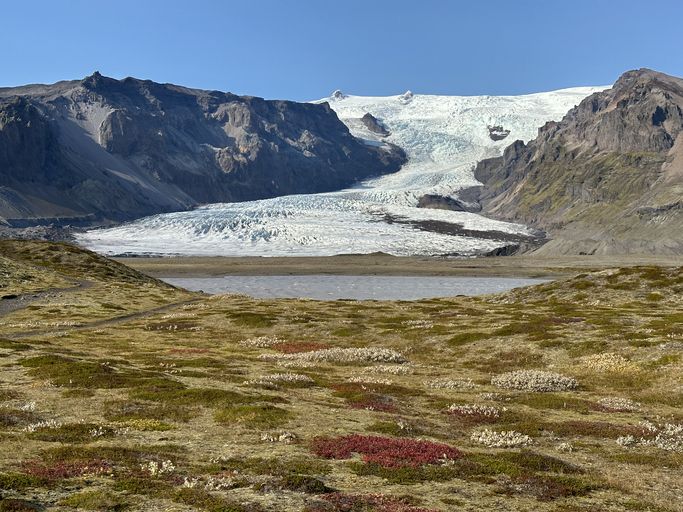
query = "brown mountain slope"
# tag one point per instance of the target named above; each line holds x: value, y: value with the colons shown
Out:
x: 606, y: 179
x: 120, y: 149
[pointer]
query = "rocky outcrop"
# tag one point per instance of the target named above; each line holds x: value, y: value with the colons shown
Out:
x: 437, y: 202
x: 606, y: 179
x: 101, y: 148
x: 374, y: 125
x: 497, y: 132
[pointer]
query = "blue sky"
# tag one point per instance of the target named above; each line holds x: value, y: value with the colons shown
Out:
x: 304, y: 49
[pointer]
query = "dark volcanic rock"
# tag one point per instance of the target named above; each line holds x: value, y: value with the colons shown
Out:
x: 118, y: 149
x: 497, y: 132
x: 374, y: 125
x: 606, y: 179
x: 437, y: 202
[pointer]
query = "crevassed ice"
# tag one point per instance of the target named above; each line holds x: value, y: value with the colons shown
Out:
x: 444, y: 136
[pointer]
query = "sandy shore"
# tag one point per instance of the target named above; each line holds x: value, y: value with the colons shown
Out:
x: 381, y: 264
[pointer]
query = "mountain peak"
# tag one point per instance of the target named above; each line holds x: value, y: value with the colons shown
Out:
x: 95, y: 80
x: 606, y: 179
x: 645, y: 76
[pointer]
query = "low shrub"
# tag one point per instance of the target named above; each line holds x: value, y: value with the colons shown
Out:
x: 503, y: 439
x: 343, y: 355
x: 534, y: 380
x: 296, y: 347
x: 292, y: 380
x: 475, y: 413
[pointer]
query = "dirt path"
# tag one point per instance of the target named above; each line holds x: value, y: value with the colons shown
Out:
x: 106, y: 321
x: 10, y: 303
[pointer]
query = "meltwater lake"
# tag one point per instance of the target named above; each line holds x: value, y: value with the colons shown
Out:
x: 332, y: 287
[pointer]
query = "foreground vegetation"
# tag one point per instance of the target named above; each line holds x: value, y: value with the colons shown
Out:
x: 119, y: 392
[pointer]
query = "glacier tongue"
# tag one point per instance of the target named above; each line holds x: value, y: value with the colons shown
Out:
x: 444, y: 136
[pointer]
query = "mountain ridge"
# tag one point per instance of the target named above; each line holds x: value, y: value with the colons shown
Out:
x: 607, y: 178
x: 101, y: 148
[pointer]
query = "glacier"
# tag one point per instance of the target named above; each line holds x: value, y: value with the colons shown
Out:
x: 443, y: 136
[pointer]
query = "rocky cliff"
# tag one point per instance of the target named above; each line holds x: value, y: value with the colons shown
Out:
x: 110, y: 149
x: 606, y: 179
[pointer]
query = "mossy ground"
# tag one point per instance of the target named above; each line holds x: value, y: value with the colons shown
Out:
x: 135, y: 374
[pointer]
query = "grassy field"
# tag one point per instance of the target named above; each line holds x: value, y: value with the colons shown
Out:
x: 119, y: 392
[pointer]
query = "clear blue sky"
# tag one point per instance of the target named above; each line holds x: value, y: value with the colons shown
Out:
x: 304, y: 49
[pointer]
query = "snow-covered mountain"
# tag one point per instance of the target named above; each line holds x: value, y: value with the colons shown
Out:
x: 443, y: 136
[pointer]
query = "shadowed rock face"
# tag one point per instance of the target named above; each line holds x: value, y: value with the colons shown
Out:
x: 606, y: 179
x: 374, y: 125
x: 101, y: 148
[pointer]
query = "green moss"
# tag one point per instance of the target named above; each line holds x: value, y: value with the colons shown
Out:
x: 348, y: 331
x: 556, y: 402
x: 655, y: 460
x: 125, y: 456
x: 173, y: 395
x: 549, y: 487
x: 204, y: 500
x: 19, y: 481
x: 18, y: 505
x: 392, y: 428
x: 71, y: 433
x: 13, y: 345
x: 142, y: 486
x: 668, y: 359
x: 504, y: 361
x: 582, y: 284
x: 465, y: 338
x: 253, y: 416
x: 299, y: 483
x: 125, y: 410
x: 600, y: 429
x: 533, y: 461
x: 16, y: 417
x: 253, y: 320
x: 70, y: 372
x: 95, y: 500
x: 409, y: 475
x: 279, y: 466
x: 78, y: 393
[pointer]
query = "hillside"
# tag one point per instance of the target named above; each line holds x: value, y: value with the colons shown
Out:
x: 129, y: 395
x: 105, y: 149
x: 606, y: 179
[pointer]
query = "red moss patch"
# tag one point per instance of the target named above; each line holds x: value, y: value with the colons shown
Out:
x: 66, y: 469
x: 380, y: 404
x: 387, y: 452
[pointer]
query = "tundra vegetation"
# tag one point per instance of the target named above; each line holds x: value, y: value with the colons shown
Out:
x: 119, y: 392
